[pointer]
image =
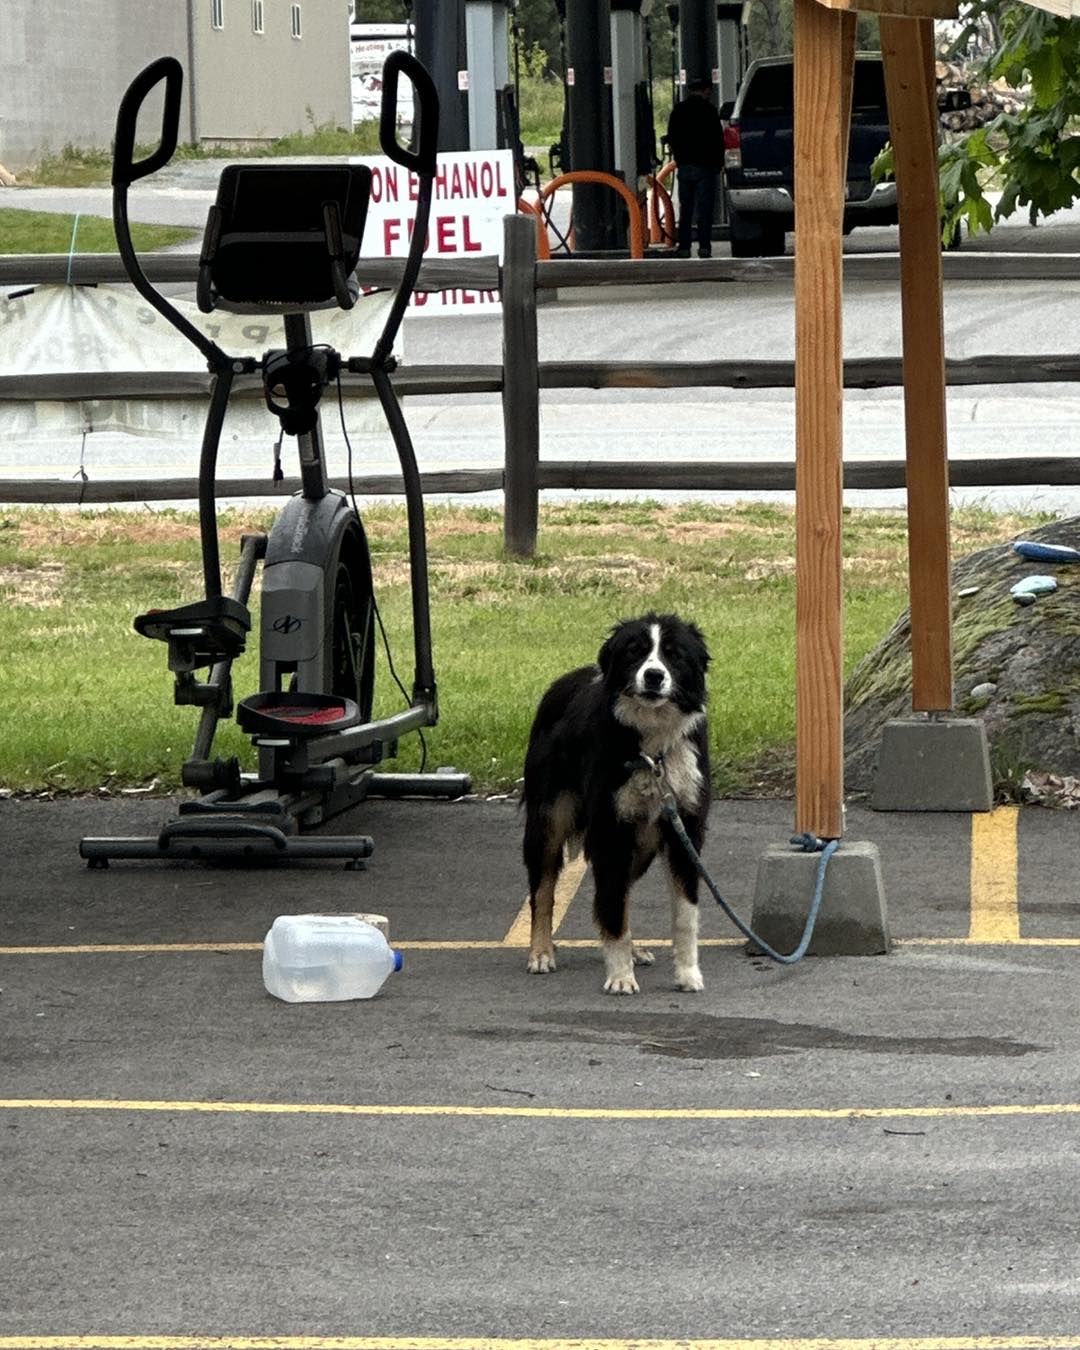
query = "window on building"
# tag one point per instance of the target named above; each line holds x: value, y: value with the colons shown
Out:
x: 296, y: 30
x: 258, y: 24
x: 217, y: 13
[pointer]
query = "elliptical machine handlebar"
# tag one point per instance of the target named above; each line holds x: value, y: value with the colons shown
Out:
x: 422, y: 159
x: 422, y: 162
x: 125, y: 169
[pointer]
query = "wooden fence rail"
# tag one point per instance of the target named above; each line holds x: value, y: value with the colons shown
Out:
x: 752, y: 475
x: 520, y: 377
x: 875, y: 372
x: 483, y: 273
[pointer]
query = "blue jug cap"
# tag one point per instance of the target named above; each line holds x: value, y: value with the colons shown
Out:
x: 399, y: 958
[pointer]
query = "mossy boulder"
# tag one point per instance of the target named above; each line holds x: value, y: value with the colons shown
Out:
x: 1026, y: 658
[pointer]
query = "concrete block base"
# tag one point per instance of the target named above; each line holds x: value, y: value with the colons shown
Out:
x: 852, y: 919
x: 934, y: 765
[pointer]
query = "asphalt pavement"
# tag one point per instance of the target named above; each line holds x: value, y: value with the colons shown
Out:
x: 872, y: 1153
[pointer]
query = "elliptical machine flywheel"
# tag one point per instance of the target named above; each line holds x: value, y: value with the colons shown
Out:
x: 284, y: 239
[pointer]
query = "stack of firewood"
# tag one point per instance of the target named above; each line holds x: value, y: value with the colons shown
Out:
x: 965, y: 102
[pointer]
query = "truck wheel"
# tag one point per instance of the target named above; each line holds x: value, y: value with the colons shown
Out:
x: 752, y: 237
x: 771, y: 243
x: 745, y: 236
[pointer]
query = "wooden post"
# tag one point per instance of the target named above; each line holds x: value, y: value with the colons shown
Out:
x: 521, y: 387
x: 907, y: 46
x: 824, y: 46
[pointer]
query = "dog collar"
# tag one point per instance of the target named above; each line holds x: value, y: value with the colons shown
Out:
x: 655, y: 766
x: 652, y: 765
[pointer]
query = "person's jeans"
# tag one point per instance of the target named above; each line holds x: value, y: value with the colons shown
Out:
x: 697, y: 196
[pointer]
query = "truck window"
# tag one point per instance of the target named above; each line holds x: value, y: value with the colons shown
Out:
x: 868, y: 86
x: 771, y: 92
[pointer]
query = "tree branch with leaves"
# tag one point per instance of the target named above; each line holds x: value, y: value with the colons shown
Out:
x: 1031, y: 157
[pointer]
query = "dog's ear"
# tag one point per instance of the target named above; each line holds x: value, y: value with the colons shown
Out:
x: 605, y: 658
x: 606, y: 654
x: 698, y: 638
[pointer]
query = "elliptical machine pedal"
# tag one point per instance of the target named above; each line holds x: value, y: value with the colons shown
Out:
x: 285, y: 239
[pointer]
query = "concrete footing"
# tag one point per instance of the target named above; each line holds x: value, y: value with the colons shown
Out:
x: 851, y: 921
x: 934, y: 765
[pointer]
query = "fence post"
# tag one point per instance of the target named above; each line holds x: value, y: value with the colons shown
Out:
x: 521, y: 387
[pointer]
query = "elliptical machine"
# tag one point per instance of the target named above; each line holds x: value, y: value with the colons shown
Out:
x: 285, y: 239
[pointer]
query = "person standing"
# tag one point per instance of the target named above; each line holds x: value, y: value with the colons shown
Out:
x: 696, y: 139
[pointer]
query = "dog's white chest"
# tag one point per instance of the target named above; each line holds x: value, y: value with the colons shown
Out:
x: 641, y: 796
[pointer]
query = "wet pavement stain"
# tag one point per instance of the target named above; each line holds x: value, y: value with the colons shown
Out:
x: 706, y: 1036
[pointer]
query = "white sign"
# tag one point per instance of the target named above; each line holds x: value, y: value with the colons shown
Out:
x: 371, y: 44
x: 473, y: 192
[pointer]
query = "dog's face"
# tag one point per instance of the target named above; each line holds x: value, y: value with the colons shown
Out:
x: 655, y: 662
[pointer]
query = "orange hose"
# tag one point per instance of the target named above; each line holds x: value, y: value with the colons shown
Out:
x: 637, y: 229
x: 662, y: 217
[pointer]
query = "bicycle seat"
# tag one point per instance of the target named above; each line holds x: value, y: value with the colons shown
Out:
x: 284, y: 238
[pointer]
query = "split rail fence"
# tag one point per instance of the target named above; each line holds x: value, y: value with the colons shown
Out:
x: 521, y: 376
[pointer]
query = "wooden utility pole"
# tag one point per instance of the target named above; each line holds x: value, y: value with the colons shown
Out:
x: 907, y: 46
x: 824, y: 57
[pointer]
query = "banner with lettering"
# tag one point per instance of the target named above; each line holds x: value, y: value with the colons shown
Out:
x: 473, y: 191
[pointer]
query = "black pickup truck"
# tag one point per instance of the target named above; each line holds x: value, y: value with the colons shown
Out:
x: 759, y: 155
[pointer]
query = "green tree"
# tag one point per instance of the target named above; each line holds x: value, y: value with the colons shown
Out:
x: 770, y: 25
x: 380, y: 11
x: 1031, y: 155
x: 538, y: 25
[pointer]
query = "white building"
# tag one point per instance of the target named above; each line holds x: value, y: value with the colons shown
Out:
x: 253, y: 69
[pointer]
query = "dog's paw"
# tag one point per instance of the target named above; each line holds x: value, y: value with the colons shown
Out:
x: 688, y: 979
x: 643, y: 957
x: 621, y: 984
x: 541, y: 963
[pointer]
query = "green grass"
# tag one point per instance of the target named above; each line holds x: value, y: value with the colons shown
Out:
x: 79, y: 166
x: 88, y: 703
x: 541, y: 113
x: 50, y: 232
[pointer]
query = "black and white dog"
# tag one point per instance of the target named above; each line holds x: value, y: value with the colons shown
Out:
x: 586, y: 781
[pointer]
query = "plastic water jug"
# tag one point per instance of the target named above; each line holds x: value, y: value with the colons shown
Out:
x: 324, y: 958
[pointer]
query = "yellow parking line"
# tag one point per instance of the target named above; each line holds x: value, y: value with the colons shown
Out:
x: 96, y: 948
x: 491, y: 945
x: 995, y: 916
x: 565, y: 890
x: 717, y: 1113
x: 532, y: 1343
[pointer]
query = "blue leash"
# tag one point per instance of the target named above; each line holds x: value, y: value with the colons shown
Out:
x: 807, y: 842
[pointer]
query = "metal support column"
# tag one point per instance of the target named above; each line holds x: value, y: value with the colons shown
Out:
x: 487, y: 44
x: 697, y: 42
x: 440, y: 45
x: 588, y: 120
x: 629, y: 93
